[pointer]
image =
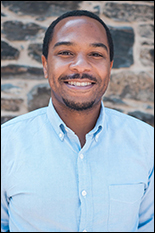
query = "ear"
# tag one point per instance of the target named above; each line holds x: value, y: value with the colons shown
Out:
x: 44, y: 62
x: 111, y: 64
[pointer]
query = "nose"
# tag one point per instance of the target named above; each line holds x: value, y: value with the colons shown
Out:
x: 80, y: 64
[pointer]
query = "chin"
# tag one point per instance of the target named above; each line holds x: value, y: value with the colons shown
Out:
x: 78, y: 106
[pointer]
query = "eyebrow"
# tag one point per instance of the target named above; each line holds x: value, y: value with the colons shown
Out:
x: 63, y: 43
x: 100, y: 45
x: 95, y: 45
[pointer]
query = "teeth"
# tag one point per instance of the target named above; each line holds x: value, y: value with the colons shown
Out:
x: 83, y: 84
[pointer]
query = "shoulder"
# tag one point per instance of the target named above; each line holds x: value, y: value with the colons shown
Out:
x: 133, y: 132
x: 20, y: 130
x: 124, y: 121
x: 23, y: 121
x: 129, y: 128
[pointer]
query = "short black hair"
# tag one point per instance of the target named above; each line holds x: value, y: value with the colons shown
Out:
x: 50, y: 30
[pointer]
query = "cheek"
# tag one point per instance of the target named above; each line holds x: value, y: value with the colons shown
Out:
x: 104, y: 72
x: 57, y: 68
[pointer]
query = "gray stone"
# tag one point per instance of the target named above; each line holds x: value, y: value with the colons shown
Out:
x: 35, y: 51
x: 113, y: 100
x: 147, y: 42
x: 128, y: 12
x: 123, y: 38
x: 147, y: 56
x: 16, y: 30
x: 41, y: 8
x: 21, y: 72
x: 7, y: 86
x: 6, y: 118
x: 117, y: 109
x: 97, y: 10
x: 146, y: 117
x: 39, y: 96
x: 146, y: 30
x: 11, y: 104
x: 130, y: 85
x: 8, y: 52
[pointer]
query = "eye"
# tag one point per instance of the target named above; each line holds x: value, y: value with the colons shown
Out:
x: 96, y: 54
x: 65, y: 53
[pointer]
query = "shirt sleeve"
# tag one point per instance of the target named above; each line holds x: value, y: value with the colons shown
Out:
x: 146, y: 216
x: 4, y: 212
x: 4, y: 198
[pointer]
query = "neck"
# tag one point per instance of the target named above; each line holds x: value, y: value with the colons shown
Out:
x: 80, y: 122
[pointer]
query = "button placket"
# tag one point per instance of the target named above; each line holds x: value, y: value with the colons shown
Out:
x: 84, y: 187
x: 81, y: 156
x: 61, y: 136
x: 84, y: 193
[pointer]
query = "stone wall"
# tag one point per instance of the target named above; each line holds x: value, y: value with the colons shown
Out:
x: 131, y: 89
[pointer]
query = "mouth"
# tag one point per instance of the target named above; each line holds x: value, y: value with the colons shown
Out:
x: 79, y: 85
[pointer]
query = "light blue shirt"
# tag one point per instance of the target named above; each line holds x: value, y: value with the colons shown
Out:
x: 50, y: 184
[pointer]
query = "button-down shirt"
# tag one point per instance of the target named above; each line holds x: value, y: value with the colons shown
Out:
x: 51, y: 184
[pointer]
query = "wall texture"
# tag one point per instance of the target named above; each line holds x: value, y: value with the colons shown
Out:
x: 23, y: 24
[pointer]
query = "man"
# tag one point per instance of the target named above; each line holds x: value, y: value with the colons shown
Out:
x: 75, y: 165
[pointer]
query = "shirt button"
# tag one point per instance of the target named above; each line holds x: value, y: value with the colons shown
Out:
x: 84, y: 193
x: 84, y: 231
x: 81, y: 156
x: 60, y: 135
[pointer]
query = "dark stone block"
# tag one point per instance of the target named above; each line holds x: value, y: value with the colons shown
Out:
x: 11, y: 104
x: 113, y: 100
x: 6, y: 118
x: 8, y: 52
x: 39, y: 96
x: 152, y: 54
x: 147, y: 56
x: 35, y: 51
x: 117, y: 109
x: 15, y: 30
x: 123, y: 38
x: 22, y: 72
x: 3, y: 15
x: 13, y: 69
x: 97, y: 10
x: 130, y: 85
x: 146, y: 117
x: 128, y: 12
x: 41, y: 8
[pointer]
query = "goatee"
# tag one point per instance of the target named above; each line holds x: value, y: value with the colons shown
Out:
x: 78, y: 106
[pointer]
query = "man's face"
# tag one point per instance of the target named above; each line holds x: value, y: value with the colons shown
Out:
x: 78, y: 64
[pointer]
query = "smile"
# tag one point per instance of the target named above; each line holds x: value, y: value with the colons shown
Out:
x: 79, y: 84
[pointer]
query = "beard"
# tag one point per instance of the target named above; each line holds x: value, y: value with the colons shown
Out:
x: 78, y: 106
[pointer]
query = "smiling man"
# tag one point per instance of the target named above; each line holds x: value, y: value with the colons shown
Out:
x: 75, y: 165
x: 78, y: 68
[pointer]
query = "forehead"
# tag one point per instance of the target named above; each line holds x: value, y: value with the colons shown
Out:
x: 78, y: 28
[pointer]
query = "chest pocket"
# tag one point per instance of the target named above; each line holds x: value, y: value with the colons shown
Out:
x: 124, y: 207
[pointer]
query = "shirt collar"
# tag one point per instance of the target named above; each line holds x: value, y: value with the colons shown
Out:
x: 61, y: 128
x: 96, y: 131
x: 57, y: 123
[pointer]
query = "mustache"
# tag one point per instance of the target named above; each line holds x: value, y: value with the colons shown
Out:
x: 77, y: 76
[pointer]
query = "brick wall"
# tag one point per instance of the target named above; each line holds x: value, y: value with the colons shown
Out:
x: 131, y: 89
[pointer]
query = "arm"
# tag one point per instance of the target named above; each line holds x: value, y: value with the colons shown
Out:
x: 4, y: 198
x: 4, y: 210
x: 146, y: 213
